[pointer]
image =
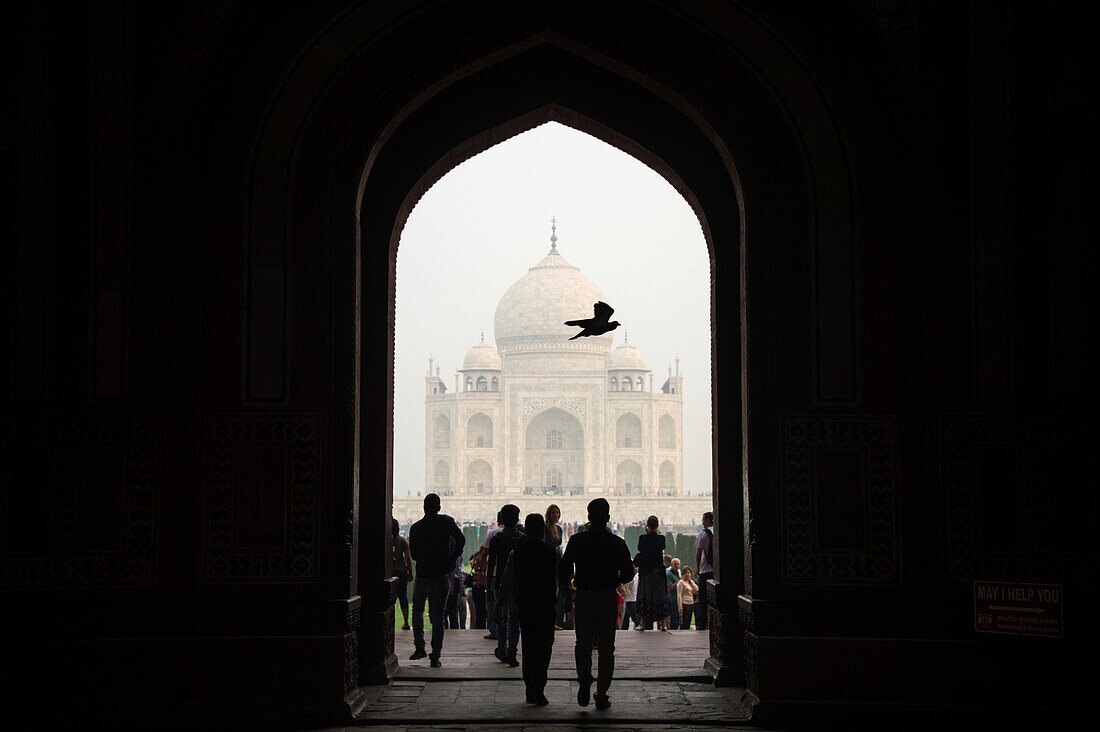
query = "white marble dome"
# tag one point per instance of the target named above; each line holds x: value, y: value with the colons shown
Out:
x: 532, y: 313
x: 481, y: 357
x: 626, y: 356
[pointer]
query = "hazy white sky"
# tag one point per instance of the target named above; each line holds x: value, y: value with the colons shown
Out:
x: 485, y: 223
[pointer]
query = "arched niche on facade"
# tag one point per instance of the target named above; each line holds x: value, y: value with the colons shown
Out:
x: 567, y: 426
x: 628, y: 478
x: 441, y: 432
x: 441, y: 476
x: 667, y: 477
x: 479, y: 478
x: 479, y: 431
x: 628, y: 431
x: 666, y: 432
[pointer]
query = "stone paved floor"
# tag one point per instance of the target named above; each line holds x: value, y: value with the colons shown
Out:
x: 632, y: 701
x: 550, y: 727
x: 659, y: 684
x: 677, y: 654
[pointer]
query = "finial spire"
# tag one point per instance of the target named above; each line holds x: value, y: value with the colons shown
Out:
x: 626, y: 336
x: 482, y: 335
x: 553, y: 232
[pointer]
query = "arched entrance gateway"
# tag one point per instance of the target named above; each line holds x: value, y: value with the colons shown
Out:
x: 200, y: 378
x: 466, y: 98
x: 553, y: 454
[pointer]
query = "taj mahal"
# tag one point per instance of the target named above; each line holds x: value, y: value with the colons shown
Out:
x: 544, y: 419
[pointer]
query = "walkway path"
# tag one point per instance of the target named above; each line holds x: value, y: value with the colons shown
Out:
x: 659, y: 680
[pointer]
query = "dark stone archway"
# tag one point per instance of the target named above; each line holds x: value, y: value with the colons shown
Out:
x: 202, y: 333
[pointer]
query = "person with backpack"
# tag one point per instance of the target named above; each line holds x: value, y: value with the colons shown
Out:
x: 435, y: 543
x: 704, y: 564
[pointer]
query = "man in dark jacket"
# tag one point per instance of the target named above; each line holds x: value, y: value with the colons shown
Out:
x: 602, y: 563
x: 530, y: 583
x: 435, y: 542
x: 499, y: 548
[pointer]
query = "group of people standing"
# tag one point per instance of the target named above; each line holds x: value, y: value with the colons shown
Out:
x: 530, y: 587
x: 663, y: 593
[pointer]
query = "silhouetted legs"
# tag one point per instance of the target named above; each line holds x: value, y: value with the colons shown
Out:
x: 434, y: 590
x: 508, y: 631
x: 594, y: 620
x: 537, y: 629
x: 701, y: 606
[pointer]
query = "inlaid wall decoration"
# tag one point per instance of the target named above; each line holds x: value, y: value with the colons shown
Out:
x: 576, y: 406
x: 260, y: 500
x: 1020, y: 498
x: 79, y: 499
x: 839, y: 483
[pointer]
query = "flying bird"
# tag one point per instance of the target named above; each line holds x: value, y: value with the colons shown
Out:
x: 596, y: 325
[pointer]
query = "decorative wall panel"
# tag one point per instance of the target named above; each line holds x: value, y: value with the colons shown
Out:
x: 93, y: 482
x: 871, y: 445
x: 1045, y: 526
x: 225, y: 559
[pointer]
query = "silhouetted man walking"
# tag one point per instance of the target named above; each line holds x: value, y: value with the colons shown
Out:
x: 435, y: 542
x: 530, y: 583
x: 602, y: 562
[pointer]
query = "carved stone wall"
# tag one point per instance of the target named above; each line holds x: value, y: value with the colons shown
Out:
x: 226, y: 557
x: 859, y: 456
x: 1011, y: 493
x: 81, y: 499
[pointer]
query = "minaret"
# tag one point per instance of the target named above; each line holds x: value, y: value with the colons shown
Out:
x: 433, y: 385
x: 675, y: 382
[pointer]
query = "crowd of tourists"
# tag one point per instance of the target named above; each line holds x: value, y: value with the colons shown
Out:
x: 522, y: 587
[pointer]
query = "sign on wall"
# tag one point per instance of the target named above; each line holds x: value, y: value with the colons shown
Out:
x: 1018, y: 608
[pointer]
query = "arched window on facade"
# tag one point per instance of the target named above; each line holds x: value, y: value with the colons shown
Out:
x: 553, y: 480
x: 482, y: 384
x: 628, y: 384
x: 441, y: 432
x: 496, y: 384
x: 469, y: 383
x: 666, y: 433
x: 614, y: 384
x: 553, y: 440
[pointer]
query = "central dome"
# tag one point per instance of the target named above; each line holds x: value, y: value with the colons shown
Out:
x: 531, y: 316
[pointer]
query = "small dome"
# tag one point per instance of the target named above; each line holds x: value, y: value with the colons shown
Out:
x: 481, y: 357
x: 626, y: 356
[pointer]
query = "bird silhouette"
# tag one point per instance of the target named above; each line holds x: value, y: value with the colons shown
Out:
x: 596, y: 325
